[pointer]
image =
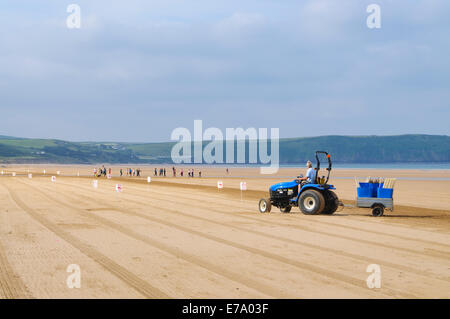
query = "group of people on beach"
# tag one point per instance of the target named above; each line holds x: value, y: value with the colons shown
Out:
x: 131, y: 172
x: 162, y: 172
x: 103, y: 171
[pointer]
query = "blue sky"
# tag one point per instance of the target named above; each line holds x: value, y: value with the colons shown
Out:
x: 136, y: 70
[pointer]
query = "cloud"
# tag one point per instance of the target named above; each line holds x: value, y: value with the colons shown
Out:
x: 241, y: 22
x: 136, y: 70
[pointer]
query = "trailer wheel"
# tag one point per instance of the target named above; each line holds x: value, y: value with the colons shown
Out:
x: 285, y: 209
x: 264, y: 205
x: 378, y: 210
x: 331, y: 203
x: 311, y: 202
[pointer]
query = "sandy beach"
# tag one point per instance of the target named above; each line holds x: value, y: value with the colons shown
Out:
x: 185, y: 238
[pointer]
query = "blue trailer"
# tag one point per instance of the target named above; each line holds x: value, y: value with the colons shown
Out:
x: 376, y: 197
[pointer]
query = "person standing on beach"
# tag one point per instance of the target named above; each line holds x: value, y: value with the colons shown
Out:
x: 181, y: 172
x: 121, y: 172
x: 156, y: 172
x: 164, y: 172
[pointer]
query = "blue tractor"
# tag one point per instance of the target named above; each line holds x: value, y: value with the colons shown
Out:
x: 315, y: 197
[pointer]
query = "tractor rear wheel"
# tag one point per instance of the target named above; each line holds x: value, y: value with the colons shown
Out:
x: 311, y: 202
x: 331, y: 202
x: 286, y: 209
x: 264, y: 205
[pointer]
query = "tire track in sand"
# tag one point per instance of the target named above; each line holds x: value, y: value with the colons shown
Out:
x: 301, y: 243
x: 126, y: 276
x: 321, y: 222
x: 263, y: 234
x: 11, y: 285
x: 327, y: 274
x: 221, y: 271
x: 434, y: 253
x: 213, y: 190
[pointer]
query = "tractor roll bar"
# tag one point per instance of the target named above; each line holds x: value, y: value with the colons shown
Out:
x: 318, y: 164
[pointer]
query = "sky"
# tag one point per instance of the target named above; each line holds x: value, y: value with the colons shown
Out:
x: 135, y: 70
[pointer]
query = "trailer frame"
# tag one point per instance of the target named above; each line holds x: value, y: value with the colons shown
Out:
x: 377, y: 204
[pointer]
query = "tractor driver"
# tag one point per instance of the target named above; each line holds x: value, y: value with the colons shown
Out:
x: 310, y: 174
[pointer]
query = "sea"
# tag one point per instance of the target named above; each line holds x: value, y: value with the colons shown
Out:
x: 381, y: 166
x: 407, y: 166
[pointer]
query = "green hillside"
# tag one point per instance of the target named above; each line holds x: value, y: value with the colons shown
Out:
x: 370, y: 149
x: 344, y: 149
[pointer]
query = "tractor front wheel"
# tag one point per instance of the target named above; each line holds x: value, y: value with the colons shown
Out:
x: 311, y: 202
x: 264, y: 205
